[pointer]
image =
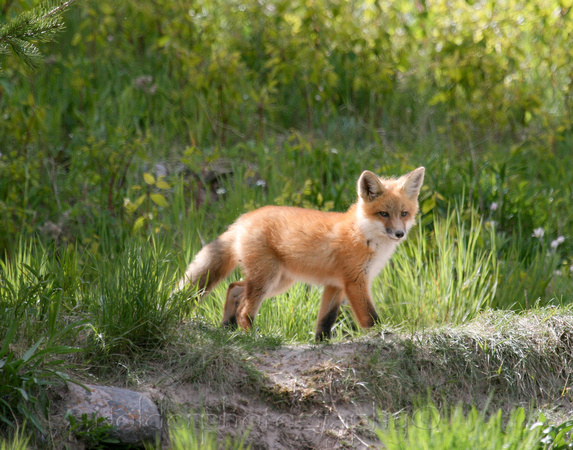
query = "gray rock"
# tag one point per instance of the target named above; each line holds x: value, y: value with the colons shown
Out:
x: 135, y: 416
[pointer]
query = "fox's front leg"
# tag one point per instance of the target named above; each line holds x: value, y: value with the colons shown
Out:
x: 358, y: 295
x: 330, y: 304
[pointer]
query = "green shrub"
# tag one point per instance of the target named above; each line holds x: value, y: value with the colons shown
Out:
x: 130, y: 304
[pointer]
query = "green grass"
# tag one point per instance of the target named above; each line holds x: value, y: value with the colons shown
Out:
x: 448, y: 276
x: 456, y: 428
x: 35, y: 339
x: 18, y: 442
x: 428, y: 428
x: 129, y: 303
x: 188, y: 435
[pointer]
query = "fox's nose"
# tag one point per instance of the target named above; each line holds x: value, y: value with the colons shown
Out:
x: 399, y: 234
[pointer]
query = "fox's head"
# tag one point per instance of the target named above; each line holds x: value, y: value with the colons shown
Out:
x: 388, y: 207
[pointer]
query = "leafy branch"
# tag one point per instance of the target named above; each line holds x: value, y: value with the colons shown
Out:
x: 39, y: 24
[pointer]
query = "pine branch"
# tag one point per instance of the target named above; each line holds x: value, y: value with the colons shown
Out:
x: 37, y: 25
x: 58, y: 9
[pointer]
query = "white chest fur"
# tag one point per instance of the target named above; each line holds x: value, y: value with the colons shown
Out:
x: 382, y: 254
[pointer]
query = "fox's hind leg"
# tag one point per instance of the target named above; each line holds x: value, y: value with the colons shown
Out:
x: 255, y: 291
x: 329, y: 306
x: 232, y: 302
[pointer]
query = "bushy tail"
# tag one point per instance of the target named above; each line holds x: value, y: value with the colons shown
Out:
x: 211, y: 265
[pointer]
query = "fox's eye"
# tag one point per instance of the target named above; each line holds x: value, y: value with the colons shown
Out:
x: 384, y: 214
x: 404, y: 213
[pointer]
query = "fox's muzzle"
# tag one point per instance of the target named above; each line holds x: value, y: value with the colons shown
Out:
x: 398, y: 234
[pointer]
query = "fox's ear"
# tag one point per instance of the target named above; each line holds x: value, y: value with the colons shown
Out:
x: 369, y: 186
x: 413, y: 182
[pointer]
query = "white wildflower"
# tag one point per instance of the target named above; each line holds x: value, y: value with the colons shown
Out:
x: 145, y: 83
x: 493, y: 206
x: 554, y: 243
x: 221, y: 191
x: 538, y: 233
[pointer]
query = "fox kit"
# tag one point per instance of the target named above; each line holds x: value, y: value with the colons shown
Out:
x: 277, y: 245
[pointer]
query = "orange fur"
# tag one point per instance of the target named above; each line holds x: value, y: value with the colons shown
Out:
x: 276, y: 246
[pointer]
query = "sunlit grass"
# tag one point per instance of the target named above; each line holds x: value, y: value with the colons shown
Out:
x: 428, y: 428
x: 447, y: 275
x: 129, y: 304
x: 191, y: 434
x: 18, y: 442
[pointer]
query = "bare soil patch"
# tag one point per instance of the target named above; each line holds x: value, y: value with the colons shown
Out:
x: 306, y: 400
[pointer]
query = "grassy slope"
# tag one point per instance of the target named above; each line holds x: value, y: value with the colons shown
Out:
x: 247, y: 384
